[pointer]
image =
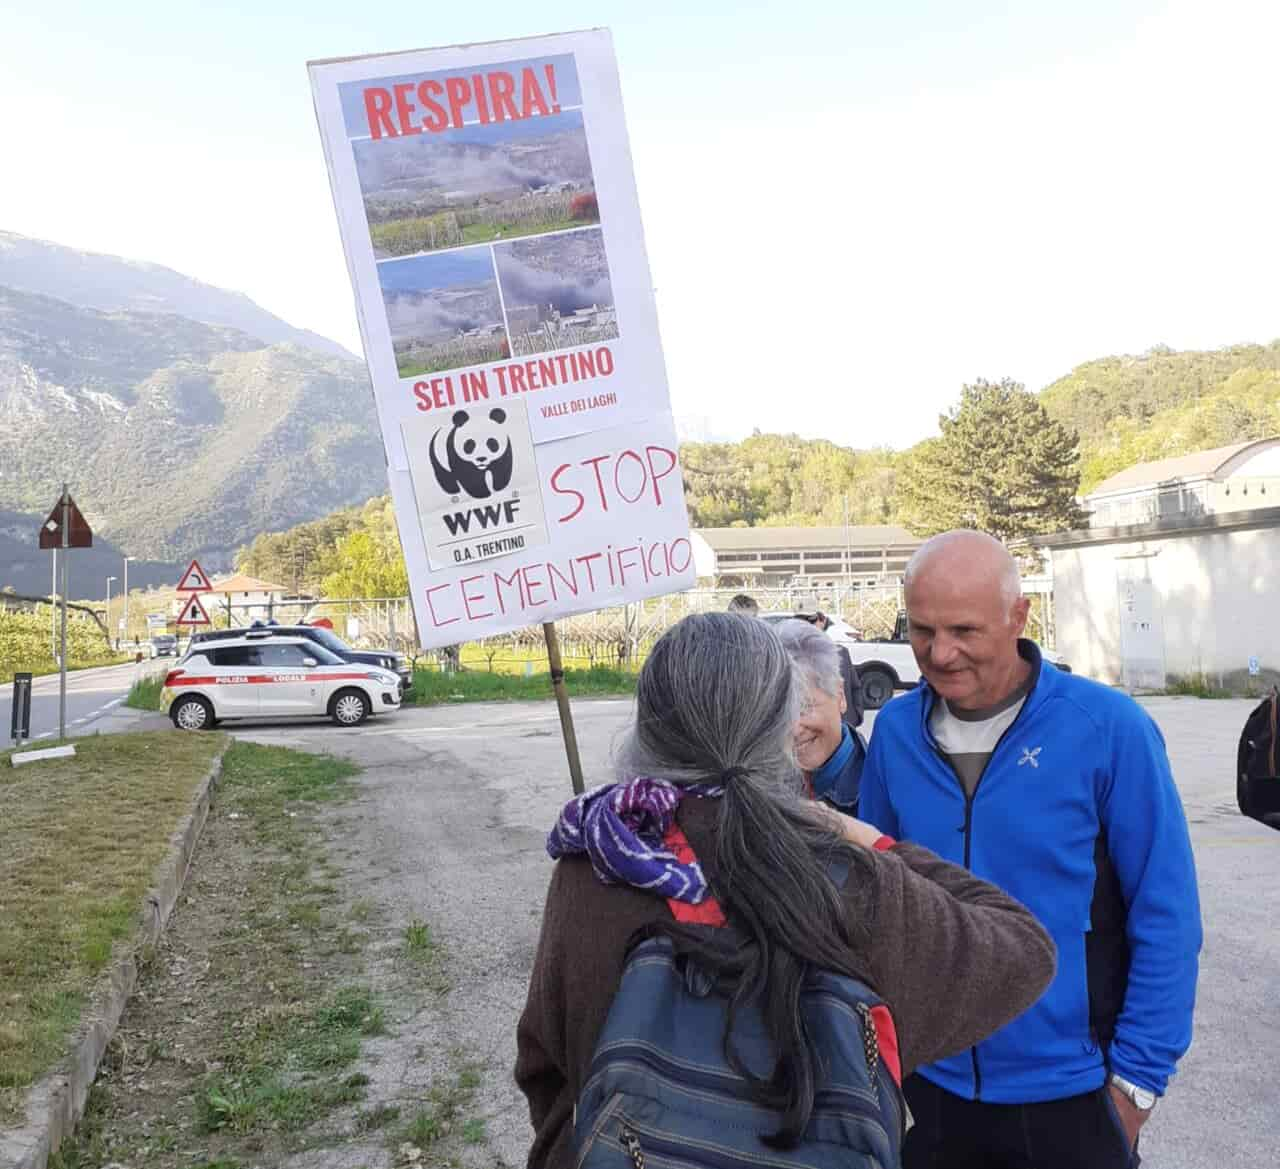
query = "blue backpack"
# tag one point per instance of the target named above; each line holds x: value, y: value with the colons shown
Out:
x: 661, y: 1094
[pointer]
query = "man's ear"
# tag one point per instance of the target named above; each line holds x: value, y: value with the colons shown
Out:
x: 1018, y: 615
x: 844, y: 703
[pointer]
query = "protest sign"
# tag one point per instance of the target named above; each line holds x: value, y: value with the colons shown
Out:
x: 488, y: 211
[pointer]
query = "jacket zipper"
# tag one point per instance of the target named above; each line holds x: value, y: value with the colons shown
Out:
x: 967, y: 829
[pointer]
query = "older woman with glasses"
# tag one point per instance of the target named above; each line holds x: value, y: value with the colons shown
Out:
x: 829, y: 751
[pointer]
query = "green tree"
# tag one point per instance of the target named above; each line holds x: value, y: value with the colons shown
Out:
x: 782, y: 479
x: 1000, y: 465
x: 367, y: 564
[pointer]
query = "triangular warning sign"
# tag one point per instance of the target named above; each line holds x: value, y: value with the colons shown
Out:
x: 193, y: 612
x: 78, y: 533
x: 194, y: 579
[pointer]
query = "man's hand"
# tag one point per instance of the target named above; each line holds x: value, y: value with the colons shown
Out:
x: 855, y: 831
x: 1132, y: 1118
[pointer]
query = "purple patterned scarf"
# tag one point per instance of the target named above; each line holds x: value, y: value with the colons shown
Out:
x: 620, y: 826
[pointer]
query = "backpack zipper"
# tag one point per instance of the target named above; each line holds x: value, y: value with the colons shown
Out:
x: 871, y: 1046
x: 631, y: 1143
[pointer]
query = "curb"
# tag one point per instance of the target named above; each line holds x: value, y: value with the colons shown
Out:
x: 56, y: 1102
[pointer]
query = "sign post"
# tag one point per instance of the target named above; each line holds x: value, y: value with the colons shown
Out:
x: 20, y: 720
x: 65, y: 529
x: 62, y: 657
x: 488, y: 211
x: 562, y: 702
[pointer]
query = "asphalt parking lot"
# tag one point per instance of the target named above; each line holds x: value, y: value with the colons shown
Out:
x: 459, y: 799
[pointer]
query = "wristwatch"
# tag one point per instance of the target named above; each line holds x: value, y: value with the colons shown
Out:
x: 1140, y: 1098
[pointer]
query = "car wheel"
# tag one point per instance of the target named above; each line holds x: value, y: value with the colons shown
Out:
x: 349, y: 708
x: 192, y: 714
x: 876, y: 685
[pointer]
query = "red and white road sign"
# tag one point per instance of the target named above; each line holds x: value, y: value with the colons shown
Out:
x: 193, y: 612
x: 194, y: 580
x: 78, y: 533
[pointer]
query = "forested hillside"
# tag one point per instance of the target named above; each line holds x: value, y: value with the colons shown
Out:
x: 1006, y: 460
x: 1130, y: 410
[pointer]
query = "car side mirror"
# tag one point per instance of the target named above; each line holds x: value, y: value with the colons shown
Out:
x: 310, y: 662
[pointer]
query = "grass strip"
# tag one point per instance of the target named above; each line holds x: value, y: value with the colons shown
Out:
x: 80, y: 841
x: 282, y: 1013
x: 433, y: 688
x: 144, y: 694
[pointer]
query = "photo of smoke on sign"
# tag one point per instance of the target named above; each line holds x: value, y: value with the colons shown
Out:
x: 475, y: 480
x: 443, y: 311
x: 556, y: 291
x: 425, y: 192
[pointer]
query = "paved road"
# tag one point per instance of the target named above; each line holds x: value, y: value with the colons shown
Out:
x: 460, y: 799
x: 91, y: 695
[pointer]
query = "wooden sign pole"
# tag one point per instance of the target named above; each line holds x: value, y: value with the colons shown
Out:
x: 562, y: 701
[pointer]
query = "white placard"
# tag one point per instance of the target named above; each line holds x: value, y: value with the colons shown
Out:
x: 489, y: 216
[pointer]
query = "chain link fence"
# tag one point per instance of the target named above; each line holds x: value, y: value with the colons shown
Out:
x: 619, y: 637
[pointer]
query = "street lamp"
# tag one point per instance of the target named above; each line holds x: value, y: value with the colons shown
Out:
x: 126, y: 593
x: 109, y: 580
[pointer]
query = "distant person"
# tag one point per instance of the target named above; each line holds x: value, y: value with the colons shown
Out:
x: 848, y: 671
x: 828, y: 749
x: 1058, y: 790
x: 744, y: 605
x: 708, y: 765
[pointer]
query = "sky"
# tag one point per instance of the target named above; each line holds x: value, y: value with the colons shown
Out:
x: 851, y: 207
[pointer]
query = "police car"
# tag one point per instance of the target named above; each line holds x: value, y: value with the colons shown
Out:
x: 258, y: 675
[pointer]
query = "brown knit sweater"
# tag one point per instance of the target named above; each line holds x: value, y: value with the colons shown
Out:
x: 953, y: 956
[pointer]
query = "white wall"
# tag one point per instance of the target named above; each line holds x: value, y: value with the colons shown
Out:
x: 704, y: 558
x: 1216, y: 602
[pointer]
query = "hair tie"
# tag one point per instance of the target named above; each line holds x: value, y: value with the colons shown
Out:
x: 729, y: 774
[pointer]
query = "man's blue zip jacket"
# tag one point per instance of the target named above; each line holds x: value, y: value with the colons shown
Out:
x: 1076, y: 816
x: 837, y: 781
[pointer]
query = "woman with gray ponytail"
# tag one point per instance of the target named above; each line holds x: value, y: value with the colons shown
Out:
x: 710, y: 813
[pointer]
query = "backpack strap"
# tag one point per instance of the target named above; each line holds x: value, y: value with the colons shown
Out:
x: 707, y: 912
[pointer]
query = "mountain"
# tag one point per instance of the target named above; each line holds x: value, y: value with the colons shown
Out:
x: 1134, y: 409
x: 111, y: 284
x: 179, y: 438
x: 26, y: 569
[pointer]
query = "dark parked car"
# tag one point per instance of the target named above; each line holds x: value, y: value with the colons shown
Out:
x: 385, y: 658
x: 164, y: 645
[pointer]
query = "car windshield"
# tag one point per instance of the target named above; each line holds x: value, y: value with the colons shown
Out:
x: 325, y: 657
x: 330, y: 640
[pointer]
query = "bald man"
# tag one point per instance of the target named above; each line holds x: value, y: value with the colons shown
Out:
x: 1058, y: 790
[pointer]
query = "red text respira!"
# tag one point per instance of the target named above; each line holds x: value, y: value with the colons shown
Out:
x: 430, y: 106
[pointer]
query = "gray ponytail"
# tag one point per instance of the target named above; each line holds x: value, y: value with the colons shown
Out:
x: 718, y: 695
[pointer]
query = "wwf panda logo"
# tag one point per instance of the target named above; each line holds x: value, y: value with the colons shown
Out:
x: 472, y: 455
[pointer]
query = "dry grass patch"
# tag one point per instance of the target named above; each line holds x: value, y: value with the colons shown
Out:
x: 80, y: 841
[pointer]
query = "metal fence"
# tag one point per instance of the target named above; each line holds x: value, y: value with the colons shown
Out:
x: 619, y: 637
x: 384, y: 622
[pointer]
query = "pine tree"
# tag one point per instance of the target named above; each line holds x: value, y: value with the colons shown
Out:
x: 1000, y: 465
